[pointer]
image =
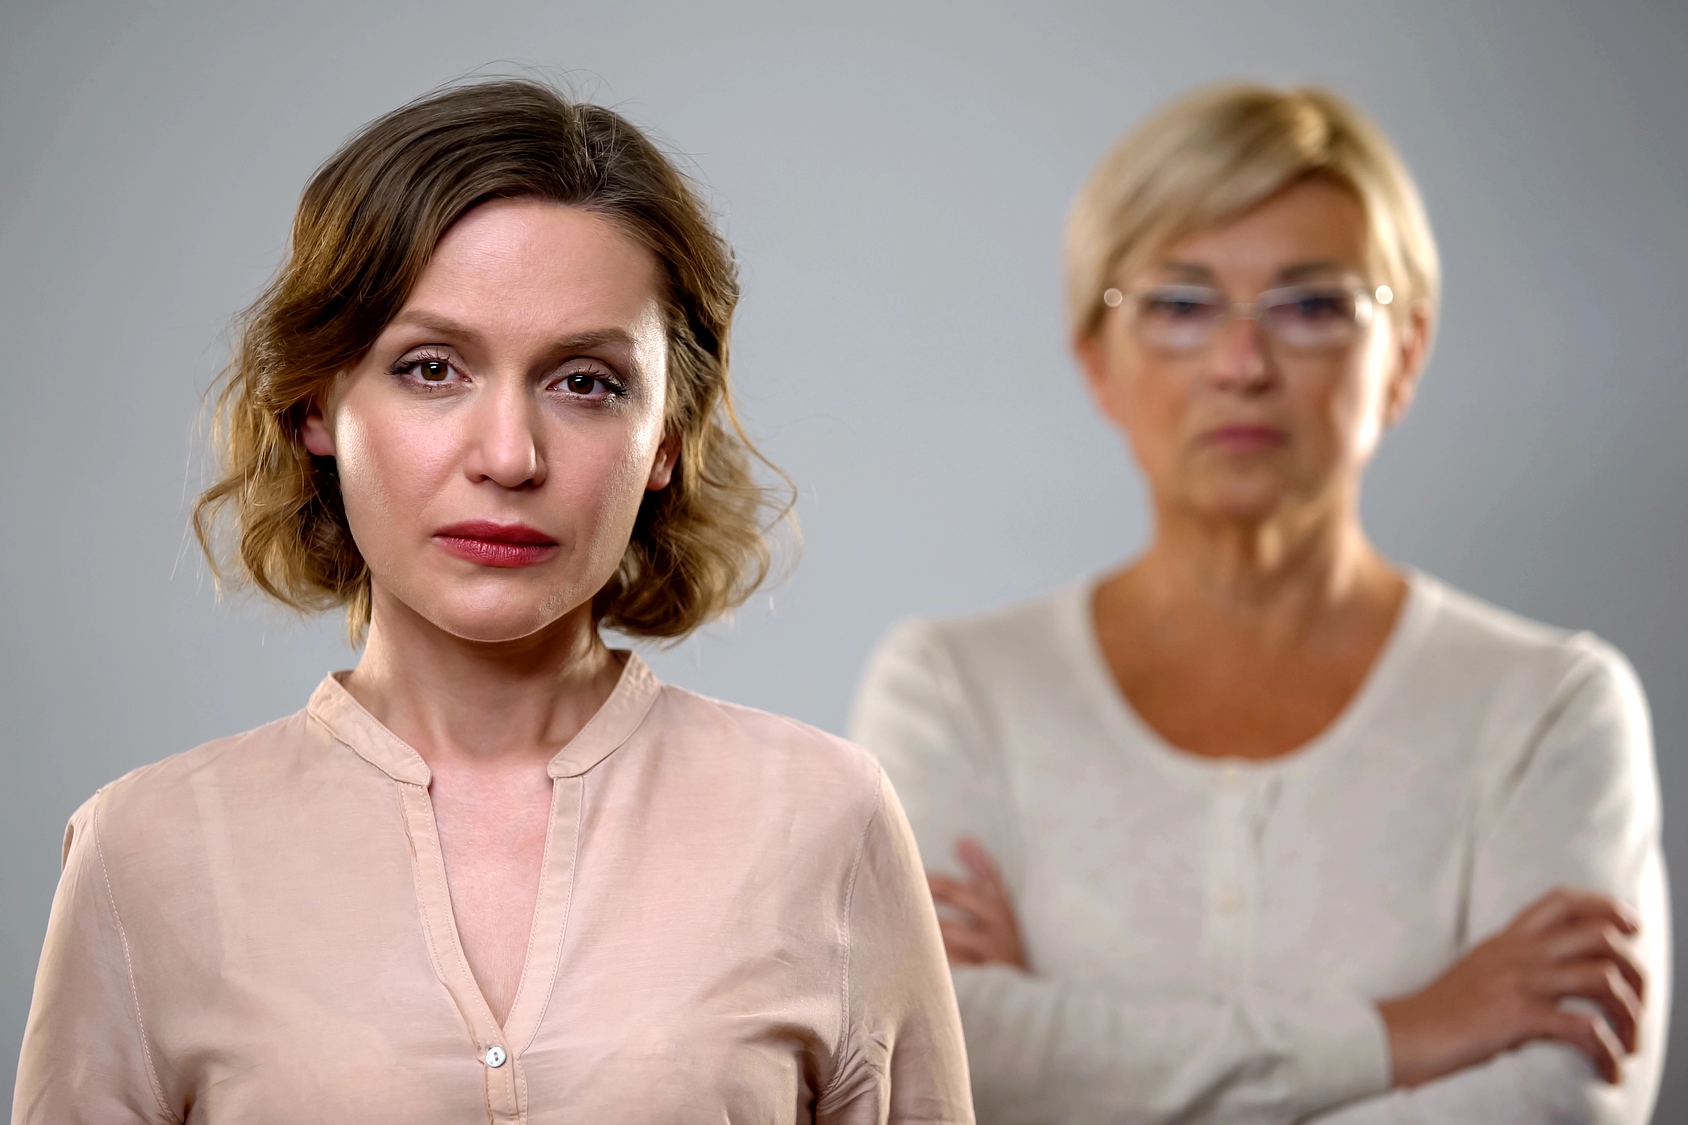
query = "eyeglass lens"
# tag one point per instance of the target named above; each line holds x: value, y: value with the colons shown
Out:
x: 1188, y: 317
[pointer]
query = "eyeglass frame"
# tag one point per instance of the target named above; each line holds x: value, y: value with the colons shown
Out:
x: 1254, y: 310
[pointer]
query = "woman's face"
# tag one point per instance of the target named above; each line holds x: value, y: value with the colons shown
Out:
x: 1246, y: 426
x: 494, y: 444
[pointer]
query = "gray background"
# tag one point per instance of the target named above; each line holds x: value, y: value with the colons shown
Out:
x: 894, y: 177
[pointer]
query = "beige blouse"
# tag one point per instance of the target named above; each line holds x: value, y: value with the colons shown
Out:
x: 732, y: 925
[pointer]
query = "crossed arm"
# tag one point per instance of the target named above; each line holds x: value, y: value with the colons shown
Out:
x: 1505, y: 992
x: 1535, y: 1021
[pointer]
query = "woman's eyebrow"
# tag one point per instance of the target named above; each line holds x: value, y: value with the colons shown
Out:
x: 1193, y: 271
x: 434, y: 322
x: 601, y: 337
x: 578, y: 341
x: 1312, y: 269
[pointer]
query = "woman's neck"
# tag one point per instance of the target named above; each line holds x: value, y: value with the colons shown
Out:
x: 1276, y: 581
x: 469, y: 703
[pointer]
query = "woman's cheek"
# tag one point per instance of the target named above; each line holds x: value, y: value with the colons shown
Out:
x: 1360, y: 417
x: 388, y: 468
x: 1156, y: 411
x: 1365, y: 398
x: 625, y: 472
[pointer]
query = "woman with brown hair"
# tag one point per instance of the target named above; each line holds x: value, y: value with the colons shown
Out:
x: 497, y: 871
x: 1260, y: 826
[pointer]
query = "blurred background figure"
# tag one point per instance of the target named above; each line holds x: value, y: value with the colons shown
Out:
x: 1261, y: 826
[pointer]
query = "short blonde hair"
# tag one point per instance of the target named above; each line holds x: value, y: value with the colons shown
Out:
x: 365, y: 230
x: 1211, y: 156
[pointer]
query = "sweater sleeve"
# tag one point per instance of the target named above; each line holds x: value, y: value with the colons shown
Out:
x: 1045, y: 1050
x: 85, y: 1053
x: 1578, y: 808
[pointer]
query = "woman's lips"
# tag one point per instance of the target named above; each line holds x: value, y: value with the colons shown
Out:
x: 497, y: 544
x: 1245, y: 438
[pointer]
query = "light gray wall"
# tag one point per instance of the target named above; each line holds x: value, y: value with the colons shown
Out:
x: 894, y: 177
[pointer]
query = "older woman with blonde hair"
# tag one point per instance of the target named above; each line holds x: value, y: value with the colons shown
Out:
x: 1262, y: 826
x: 497, y: 871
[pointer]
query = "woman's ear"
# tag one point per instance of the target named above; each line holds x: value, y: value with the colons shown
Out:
x: 316, y: 432
x: 1088, y: 351
x: 1091, y: 351
x: 662, y: 469
x: 1412, y: 354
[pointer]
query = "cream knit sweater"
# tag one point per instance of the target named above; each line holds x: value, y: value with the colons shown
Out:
x: 1208, y: 938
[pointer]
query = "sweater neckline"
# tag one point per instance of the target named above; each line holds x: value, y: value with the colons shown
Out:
x: 1129, y: 729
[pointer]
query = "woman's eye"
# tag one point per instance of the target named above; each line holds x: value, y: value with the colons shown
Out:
x: 588, y: 383
x: 430, y: 370
x: 1177, y: 307
x: 1323, y: 306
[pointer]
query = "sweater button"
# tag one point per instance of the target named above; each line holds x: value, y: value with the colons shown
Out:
x: 495, y: 1056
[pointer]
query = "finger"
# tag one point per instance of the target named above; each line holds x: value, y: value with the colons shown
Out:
x: 1542, y: 914
x: 952, y: 891
x: 1588, y: 1034
x: 1600, y: 942
x: 984, y: 905
x: 1602, y: 983
x: 974, y: 948
x: 979, y: 863
x: 963, y: 945
x: 954, y: 957
x: 958, y: 957
x: 1564, y: 904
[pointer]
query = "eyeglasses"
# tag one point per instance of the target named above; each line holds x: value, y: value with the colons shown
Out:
x: 1188, y: 318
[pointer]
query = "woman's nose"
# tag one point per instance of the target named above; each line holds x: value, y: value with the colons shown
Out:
x: 505, y: 446
x: 1239, y: 358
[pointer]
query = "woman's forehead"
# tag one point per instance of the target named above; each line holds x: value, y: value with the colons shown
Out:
x: 1308, y: 230
x: 528, y: 249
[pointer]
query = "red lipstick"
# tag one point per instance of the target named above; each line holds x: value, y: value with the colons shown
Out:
x: 497, y: 544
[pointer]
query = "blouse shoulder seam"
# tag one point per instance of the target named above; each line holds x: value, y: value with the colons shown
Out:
x: 838, y: 1049
x: 129, y: 966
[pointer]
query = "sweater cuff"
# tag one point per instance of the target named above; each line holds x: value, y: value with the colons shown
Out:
x: 1343, y: 1050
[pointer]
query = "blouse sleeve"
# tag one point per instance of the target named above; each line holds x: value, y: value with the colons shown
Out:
x: 1047, y: 1050
x: 1579, y: 808
x: 913, y: 713
x: 85, y: 1054
x: 901, y: 1054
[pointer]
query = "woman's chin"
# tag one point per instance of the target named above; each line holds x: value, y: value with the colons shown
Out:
x: 496, y: 632
x: 1241, y: 500
x: 515, y: 620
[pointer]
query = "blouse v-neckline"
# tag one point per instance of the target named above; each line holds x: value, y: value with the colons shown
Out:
x: 631, y: 700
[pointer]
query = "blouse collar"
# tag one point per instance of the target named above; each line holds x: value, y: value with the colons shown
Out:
x: 622, y: 713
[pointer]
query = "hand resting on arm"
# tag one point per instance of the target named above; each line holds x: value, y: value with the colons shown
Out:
x: 979, y: 928
x: 1506, y: 991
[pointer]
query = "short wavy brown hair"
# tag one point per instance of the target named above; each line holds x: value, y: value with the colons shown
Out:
x: 366, y: 227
